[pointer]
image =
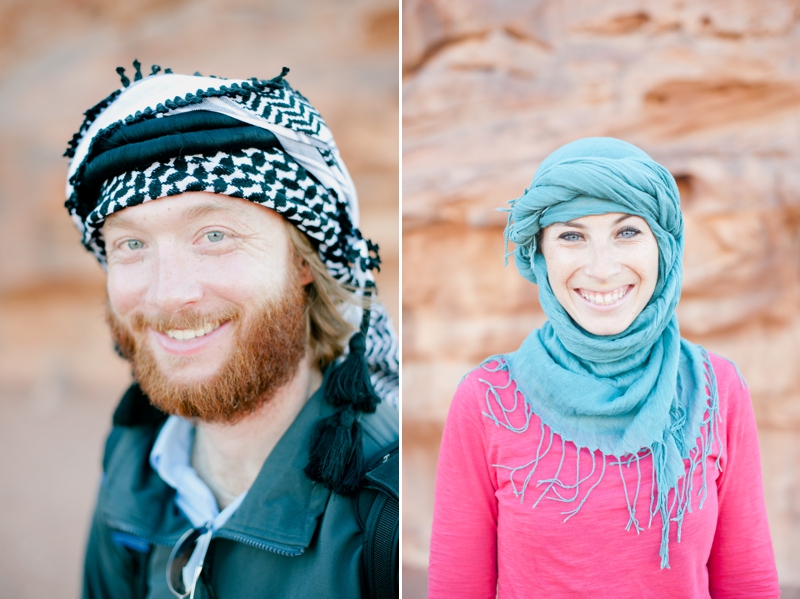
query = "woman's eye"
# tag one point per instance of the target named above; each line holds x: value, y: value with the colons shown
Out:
x: 134, y: 244
x: 215, y: 236
x: 629, y: 232
x: 569, y: 236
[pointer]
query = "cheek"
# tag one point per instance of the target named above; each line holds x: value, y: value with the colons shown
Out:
x: 647, y: 267
x: 652, y: 264
x: 560, y: 267
x: 243, y: 279
x: 126, y: 289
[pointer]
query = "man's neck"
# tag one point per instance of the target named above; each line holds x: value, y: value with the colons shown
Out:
x: 228, y: 457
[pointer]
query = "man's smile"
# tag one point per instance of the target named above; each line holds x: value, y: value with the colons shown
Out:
x: 186, y: 342
x: 183, y: 334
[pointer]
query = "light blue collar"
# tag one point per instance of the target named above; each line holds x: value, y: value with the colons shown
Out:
x: 171, y: 459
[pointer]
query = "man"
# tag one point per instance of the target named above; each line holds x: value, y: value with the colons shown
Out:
x: 227, y: 223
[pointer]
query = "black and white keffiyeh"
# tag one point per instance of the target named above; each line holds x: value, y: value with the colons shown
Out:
x: 259, y: 140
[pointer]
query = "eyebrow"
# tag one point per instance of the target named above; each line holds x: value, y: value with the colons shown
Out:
x: 125, y: 220
x: 570, y: 223
x: 202, y: 210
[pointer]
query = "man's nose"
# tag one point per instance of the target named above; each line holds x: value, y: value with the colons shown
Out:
x: 603, y: 264
x: 173, y: 285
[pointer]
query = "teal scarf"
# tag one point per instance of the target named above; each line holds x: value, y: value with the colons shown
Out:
x: 644, y: 389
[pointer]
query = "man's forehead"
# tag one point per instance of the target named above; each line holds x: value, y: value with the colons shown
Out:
x: 186, y: 207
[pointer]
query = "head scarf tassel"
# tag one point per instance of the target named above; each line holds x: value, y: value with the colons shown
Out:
x: 336, y: 459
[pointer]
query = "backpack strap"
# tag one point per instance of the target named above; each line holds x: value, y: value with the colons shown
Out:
x: 135, y: 409
x: 378, y: 508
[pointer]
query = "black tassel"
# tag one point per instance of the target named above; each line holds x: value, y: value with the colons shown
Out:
x: 138, y: 66
x: 335, y: 458
x: 349, y: 382
x: 155, y: 69
x: 279, y: 78
x: 125, y: 81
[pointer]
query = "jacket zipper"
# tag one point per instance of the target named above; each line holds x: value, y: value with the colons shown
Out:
x: 220, y: 534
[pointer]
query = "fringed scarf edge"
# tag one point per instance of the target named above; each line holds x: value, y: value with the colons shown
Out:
x: 705, y: 437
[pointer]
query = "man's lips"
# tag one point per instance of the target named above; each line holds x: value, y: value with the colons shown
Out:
x: 604, y: 299
x: 182, y: 334
x: 187, y: 347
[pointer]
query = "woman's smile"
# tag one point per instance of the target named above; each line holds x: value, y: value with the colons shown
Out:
x: 602, y: 269
x: 604, y: 299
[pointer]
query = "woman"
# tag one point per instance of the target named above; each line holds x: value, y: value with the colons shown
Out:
x: 606, y: 457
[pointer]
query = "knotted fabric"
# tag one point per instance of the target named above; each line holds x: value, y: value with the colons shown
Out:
x: 644, y: 389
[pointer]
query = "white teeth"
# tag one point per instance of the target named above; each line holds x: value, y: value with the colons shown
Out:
x: 604, y: 299
x: 186, y: 334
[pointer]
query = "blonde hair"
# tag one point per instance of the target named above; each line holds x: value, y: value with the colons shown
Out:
x: 328, y: 330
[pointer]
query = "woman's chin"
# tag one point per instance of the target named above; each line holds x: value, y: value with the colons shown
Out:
x: 604, y: 324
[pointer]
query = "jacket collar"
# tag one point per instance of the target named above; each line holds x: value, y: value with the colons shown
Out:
x: 280, y: 510
x: 283, y: 505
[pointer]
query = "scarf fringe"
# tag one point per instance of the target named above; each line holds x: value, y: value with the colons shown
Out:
x: 665, y: 498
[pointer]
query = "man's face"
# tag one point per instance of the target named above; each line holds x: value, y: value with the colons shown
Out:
x: 196, y: 284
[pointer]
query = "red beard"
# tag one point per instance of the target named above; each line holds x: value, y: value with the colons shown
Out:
x: 267, y: 352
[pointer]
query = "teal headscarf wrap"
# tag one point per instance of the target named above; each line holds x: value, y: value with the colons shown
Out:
x: 642, y: 389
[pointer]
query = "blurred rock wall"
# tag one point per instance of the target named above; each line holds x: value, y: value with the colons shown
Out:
x: 59, y: 379
x: 710, y: 89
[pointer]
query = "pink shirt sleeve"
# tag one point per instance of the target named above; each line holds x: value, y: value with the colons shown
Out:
x: 463, y: 560
x: 742, y: 563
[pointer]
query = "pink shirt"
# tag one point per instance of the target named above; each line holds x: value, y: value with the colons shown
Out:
x: 487, y: 540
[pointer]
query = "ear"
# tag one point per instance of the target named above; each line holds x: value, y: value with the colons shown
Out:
x: 304, y: 272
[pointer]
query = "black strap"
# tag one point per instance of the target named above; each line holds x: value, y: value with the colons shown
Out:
x: 135, y: 409
x: 378, y: 509
x: 187, y: 122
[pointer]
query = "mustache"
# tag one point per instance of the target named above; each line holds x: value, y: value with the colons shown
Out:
x: 269, y: 345
x: 185, y: 319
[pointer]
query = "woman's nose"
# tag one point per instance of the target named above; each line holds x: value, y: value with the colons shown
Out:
x: 602, y: 263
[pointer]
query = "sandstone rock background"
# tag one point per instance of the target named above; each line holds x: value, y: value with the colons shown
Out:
x: 59, y: 379
x: 710, y: 89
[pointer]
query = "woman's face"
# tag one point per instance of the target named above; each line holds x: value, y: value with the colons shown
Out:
x: 602, y: 269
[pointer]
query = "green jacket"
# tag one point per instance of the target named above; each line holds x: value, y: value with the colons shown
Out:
x: 289, y: 537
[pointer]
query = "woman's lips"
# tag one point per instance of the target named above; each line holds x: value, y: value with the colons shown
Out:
x: 187, y: 347
x: 604, y: 299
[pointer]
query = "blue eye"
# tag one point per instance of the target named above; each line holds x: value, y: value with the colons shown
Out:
x: 629, y: 232
x: 570, y: 236
x: 134, y: 244
x: 215, y: 236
